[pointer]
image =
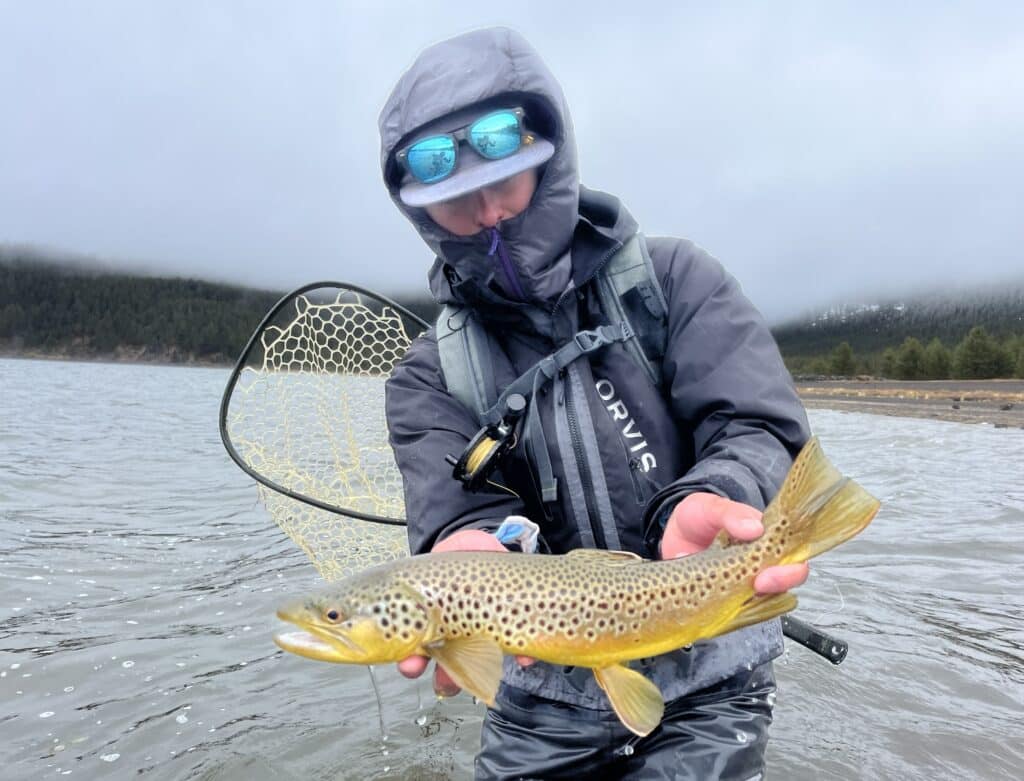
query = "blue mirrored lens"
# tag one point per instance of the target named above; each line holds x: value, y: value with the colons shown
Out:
x: 431, y: 159
x: 496, y: 135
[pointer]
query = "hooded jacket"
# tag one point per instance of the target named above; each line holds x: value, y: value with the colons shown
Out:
x: 725, y: 419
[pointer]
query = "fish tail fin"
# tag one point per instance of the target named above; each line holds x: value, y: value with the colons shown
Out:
x: 817, y: 508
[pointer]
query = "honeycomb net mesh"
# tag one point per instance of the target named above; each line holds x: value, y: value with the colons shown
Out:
x: 307, y: 412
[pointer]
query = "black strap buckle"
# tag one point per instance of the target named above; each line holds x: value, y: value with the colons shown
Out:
x: 588, y: 341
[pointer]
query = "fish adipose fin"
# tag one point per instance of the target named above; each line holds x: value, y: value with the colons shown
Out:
x: 474, y: 663
x: 636, y: 701
x: 823, y: 507
x: 758, y: 609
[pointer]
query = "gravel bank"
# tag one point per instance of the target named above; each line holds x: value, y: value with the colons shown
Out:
x: 996, y: 402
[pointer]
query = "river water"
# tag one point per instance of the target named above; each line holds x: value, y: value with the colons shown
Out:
x: 139, y: 576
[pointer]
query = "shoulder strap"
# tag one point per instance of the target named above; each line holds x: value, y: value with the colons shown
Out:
x: 631, y: 298
x: 466, y: 359
x: 631, y: 294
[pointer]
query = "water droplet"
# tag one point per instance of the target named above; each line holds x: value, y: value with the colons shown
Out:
x: 181, y: 718
x: 742, y: 737
x: 110, y: 757
x: 46, y: 714
x: 628, y: 750
x: 68, y: 689
x: 127, y: 664
x: 421, y: 720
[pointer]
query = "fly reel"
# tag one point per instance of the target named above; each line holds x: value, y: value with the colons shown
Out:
x: 485, y: 451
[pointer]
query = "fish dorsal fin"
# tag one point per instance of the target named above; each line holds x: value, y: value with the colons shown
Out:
x: 613, y: 557
x: 474, y: 663
x: 636, y: 700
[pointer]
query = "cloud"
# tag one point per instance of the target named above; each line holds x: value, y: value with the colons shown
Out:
x: 822, y: 152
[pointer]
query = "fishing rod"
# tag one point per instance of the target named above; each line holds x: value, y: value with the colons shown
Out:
x: 291, y: 345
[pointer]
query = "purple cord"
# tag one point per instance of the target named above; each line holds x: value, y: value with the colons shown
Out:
x: 506, y: 264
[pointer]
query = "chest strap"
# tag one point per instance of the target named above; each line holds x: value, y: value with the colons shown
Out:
x: 460, y: 336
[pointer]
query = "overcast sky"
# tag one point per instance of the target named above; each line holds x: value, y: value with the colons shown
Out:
x: 822, y: 151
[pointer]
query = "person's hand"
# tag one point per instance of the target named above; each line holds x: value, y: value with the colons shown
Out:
x: 415, y: 666
x: 696, y: 521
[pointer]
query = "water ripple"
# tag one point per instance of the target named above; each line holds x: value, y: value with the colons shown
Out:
x: 140, y: 576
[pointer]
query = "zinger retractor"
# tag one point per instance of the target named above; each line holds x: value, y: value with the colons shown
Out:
x: 474, y: 467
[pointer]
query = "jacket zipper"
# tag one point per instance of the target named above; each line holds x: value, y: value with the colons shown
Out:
x: 581, y: 459
x: 634, y: 473
x: 498, y: 247
x: 597, y: 270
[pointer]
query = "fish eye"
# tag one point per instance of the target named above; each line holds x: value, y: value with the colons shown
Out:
x: 333, y: 615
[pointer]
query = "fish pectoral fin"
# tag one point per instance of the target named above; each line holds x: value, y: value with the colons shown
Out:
x: 636, y: 700
x: 474, y: 663
x: 606, y: 556
x: 758, y: 609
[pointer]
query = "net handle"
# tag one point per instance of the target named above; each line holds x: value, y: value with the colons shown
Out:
x: 240, y: 365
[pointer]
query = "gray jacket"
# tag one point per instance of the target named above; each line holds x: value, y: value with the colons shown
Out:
x: 725, y: 419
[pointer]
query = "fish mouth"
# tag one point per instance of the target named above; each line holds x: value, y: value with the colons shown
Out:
x: 325, y: 644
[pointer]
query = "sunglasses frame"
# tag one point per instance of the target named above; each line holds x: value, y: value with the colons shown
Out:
x: 461, y: 135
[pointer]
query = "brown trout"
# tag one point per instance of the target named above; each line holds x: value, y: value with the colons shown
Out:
x: 588, y: 608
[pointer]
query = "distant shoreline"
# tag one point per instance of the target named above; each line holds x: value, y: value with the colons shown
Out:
x: 997, y: 402
x: 162, y: 359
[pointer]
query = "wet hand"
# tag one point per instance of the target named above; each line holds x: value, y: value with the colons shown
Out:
x: 415, y: 666
x: 696, y: 521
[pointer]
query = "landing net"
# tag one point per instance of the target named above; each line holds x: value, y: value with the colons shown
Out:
x: 303, y: 413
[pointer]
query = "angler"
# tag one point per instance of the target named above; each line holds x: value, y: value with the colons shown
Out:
x: 548, y: 286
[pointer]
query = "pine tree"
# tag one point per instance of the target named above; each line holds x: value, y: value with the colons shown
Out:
x: 977, y: 357
x: 938, y: 361
x: 841, y: 362
x: 888, y: 367
x: 910, y: 360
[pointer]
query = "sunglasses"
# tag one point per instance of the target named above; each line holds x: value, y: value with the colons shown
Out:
x: 492, y: 136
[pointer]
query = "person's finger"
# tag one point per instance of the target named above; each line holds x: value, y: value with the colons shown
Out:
x: 413, y: 666
x: 776, y: 580
x: 525, y: 661
x: 741, y: 522
x: 469, y: 540
x: 444, y: 686
x: 697, y: 520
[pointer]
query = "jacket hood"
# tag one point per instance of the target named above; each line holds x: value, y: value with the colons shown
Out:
x: 486, y: 69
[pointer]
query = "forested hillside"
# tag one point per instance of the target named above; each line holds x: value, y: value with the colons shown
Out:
x: 56, y: 309
x: 872, y: 328
x: 974, y: 334
x: 72, y: 312
x: 61, y: 309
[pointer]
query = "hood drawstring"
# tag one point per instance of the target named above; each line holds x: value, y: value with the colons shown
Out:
x: 498, y: 246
